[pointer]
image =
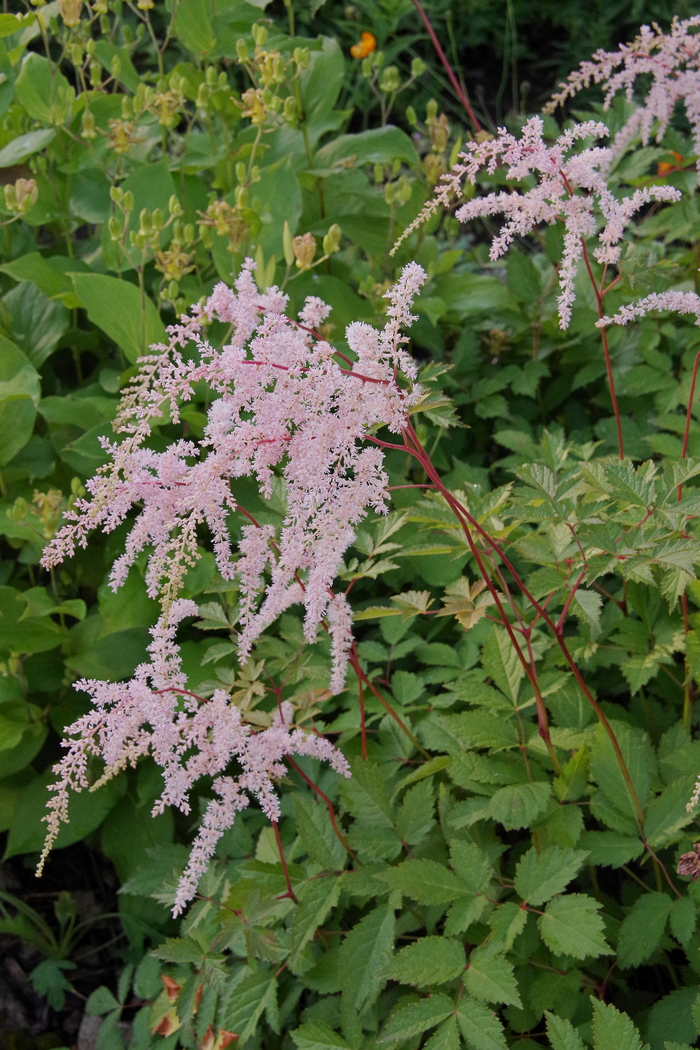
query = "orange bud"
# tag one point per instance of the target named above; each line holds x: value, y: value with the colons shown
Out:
x: 367, y: 44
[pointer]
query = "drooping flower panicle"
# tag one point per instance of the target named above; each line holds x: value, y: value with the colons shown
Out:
x: 283, y: 407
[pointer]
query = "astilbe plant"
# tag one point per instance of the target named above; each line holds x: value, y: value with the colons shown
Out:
x: 282, y: 402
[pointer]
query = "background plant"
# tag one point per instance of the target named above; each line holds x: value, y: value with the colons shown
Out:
x: 135, y: 183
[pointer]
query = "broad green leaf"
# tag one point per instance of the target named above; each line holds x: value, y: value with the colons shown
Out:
x: 376, y: 146
x: 671, y: 1020
x: 24, y: 146
x: 538, y: 878
x: 373, y: 834
x: 41, y: 90
x: 316, y: 901
x: 490, y: 977
x: 519, y: 805
x: 116, y: 307
x: 573, y: 781
x: 180, y: 950
x: 587, y: 607
x: 571, y: 925
x: 613, y: 1030
x: 610, y: 848
x: 642, y: 929
x: 471, y: 865
x: 38, y: 324
x: 424, y: 881
x: 364, y: 958
x: 246, y: 1003
x: 479, y: 1026
x: 430, y: 960
x: 562, y: 1034
x: 192, y: 25
x: 19, y: 396
x: 415, y: 1018
x: 316, y: 1035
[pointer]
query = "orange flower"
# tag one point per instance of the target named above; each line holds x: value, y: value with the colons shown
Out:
x: 367, y: 44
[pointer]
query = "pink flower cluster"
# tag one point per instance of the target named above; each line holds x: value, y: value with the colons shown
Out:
x: 672, y: 62
x: 571, y: 187
x: 282, y: 407
x: 154, y: 714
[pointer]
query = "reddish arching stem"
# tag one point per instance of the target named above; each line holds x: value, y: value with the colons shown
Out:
x: 363, y: 721
x: 290, y: 892
x: 689, y: 689
x: 355, y: 664
x: 447, y: 67
x: 688, y: 415
x: 329, y: 805
x: 606, y: 350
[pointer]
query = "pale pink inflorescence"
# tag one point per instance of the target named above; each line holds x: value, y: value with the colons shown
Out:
x: 679, y: 302
x: 672, y: 62
x: 571, y: 187
x: 282, y: 406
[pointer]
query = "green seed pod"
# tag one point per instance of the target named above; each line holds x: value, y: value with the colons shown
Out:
x: 76, y: 54
x: 188, y: 234
x: 95, y: 74
x: 223, y: 79
x: 173, y: 289
x: 301, y: 56
x: 127, y: 107
x: 411, y: 116
x: 90, y: 46
x: 255, y: 173
x: 203, y: 96
x: 241, y: 195
x: 240, y: 171
x: 431, y: 110
x: 210, y: 76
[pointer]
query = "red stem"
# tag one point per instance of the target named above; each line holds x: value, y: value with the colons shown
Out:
x: 363, y: 722
x: 329, y: 804
x: 447, y: 67
x: 290, y: 892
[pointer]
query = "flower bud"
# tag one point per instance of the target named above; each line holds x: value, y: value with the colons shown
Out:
x: 390, y: 80
x: 390, y: 193
x: 95, y: 74
x: 116, y: 66
x: 173, y: 289
x: 290, y: 110
x: 431, y: 110
x: 403, y: 190
x: 174, y: 207
x: 240, y: 172
x: 157, y: 219
x: 117, y: 194
x: 115, y: 228
x: 331, y: 242
x: 128, y: 202
x: 241, y: 50
x: 27, y: 194
x: 203, y: 96
x: 411, y: 116
x: 418, y: 67
x: 210, y: 77
x: 76, y: 54
x: 301, y: 56
x: 241, y: 196
x: 188, y: 233
x: 87, y: 125
x: 127, y: 107
x: 70, y: 12
x: 19, y: 509
x: 288, y: 244
x: 145, y: 221
x: 90, y: 45
x: 304, y: 250
x: 259, y: 35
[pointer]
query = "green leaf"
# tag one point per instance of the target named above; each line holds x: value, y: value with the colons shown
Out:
x: 316, y: 1035
x: 115, y: 306
x: 25, y: 146
x: 38, y: 324
x: 424, y: 881
x: 415, y: 819
x: 538, y: 878
x: 192, y: 26
x: 376, y: 146
x: 19, y: 395
x: 430, y: 960
x: 316, y: 901
x: 670, y: 1019
x: 316, y: 833
x: 609, y: 848
x: 571, y: 926
x: 364, y: 957
x: 490, y: 976
x: 587, y: 607
x: 479, y: 1026
x: 408, y: 1021
x: 642, y: 929
x: 500, y: 662
x: 613, y: 1030
x: 683, y: 919
x: 445, y: 1038
x: 639, y: 758
x: 41, y: 89
x: 666, y: 815
x: 246, y: 1002
x: 471, y: 865
x: 562, y: 1034
x: 507, y: 921
x: 519, y: 805
x: 573, y: 780
x: 367, y: 798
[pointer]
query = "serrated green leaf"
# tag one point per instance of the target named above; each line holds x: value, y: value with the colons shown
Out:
x: 415, y: 819
x: 316, y: 900
x: 316, y: 1035
x: 424, y: 881
x: 612, y: 1029
x: 562, y: 1034
x: 683, y: 919
x: 639, y: 758
x: 479, y: 1026
x: 430, y: 960
x: 571, y: 925
x: 573, y: 781
x: 587, y: 607
x: 364, y: 958
x: 506, y: 921
x: 500, y: 661
x: 642, y: 929
x: 246, y: 1003
x: 491, y: 977
x: 316, y: 833
x: 519, y: 805
x: 415, y: 1018
x: 609, y: 848
x: 666, y: 815
x: 539, y: 877
x: 471, y: 865
x: 445, y: 1038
